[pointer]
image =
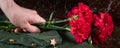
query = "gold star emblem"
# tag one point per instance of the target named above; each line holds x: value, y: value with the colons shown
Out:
x: 11, y: 40
x: 33, y: 44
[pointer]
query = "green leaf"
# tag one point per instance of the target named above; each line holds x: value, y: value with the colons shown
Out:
x: 89, y: 40
x: 51, y: 16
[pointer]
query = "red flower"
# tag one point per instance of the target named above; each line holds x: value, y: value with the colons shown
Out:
x: 85, y: 11
x: 104, y: 25
x: 81, y: 26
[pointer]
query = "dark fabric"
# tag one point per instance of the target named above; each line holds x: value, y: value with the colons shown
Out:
x: 41, y: 40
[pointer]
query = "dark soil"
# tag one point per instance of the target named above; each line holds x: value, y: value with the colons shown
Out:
x: 45, y: 7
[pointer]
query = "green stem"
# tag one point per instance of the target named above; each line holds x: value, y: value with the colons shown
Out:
x: 46, y: 25
x: 53, y: 27
x: 60, y: 21
x: 7, y: 27
x: 7, y: 22
x: 65, y: 20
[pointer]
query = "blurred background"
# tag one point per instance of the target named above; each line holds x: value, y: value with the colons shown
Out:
x: 45, y: 7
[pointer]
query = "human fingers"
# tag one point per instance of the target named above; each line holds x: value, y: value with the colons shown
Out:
x: 30, y: 28
x: 36, y: 19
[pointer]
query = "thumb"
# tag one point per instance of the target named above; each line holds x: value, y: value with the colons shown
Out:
x: 30, y: 28
x: 36, y: 19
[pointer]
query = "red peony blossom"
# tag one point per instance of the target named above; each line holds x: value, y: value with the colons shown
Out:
x: 104, y: 25
x: 81, y: 26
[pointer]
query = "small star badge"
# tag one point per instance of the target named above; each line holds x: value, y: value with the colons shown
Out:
x: 53, y: 42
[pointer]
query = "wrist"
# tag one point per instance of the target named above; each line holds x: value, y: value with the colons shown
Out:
x: 6, y: 4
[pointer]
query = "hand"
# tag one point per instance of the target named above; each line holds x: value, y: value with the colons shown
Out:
x: 22, y: 17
